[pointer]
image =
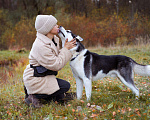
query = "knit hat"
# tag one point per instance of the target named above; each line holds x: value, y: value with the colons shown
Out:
x: 45, y: 23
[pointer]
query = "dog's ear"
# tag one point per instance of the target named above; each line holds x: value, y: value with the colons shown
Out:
x: 79, y: 38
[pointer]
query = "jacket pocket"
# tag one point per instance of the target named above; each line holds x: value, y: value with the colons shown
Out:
x: 40, y: 71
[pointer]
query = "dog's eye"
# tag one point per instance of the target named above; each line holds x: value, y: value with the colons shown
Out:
x: 68, y: 31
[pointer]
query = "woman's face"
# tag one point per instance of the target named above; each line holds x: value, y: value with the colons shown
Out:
x: 55, y: 30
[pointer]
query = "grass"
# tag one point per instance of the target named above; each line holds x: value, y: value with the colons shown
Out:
x: 111, y: 100
x: 11, y: 57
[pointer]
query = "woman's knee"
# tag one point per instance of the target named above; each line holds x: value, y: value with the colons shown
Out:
x: 63, y: 84
x: 67, y: 85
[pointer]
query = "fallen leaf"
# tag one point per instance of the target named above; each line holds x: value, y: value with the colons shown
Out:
x: 88, y: 104
x: 110, y: 105
x: 93, y: 115
x: 93, y: 110
x: 129, y: 108
x: 114, y: 113
x: 56, y: 116
x: 65, y: 118
x: 69, y: 105
x: 123, y: 111
x: 73, y: 110
x: 136, y: 109
x: 98, y: 107
x: 84, y: 114
x: 143, y: 82
x: 119, y: 111
x: 144, y: 113
x: 131, y: 115
x: 81, y: 101
x: 92, y: 106
x: 138, y: 112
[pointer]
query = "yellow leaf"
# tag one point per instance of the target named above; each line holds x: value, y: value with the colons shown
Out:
x: 119, y: 111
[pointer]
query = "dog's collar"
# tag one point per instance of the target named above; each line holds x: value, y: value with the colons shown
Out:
x: 74, y: 57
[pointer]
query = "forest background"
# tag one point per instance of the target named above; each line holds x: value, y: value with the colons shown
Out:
x: 99, y: 22
x: 109, y: 27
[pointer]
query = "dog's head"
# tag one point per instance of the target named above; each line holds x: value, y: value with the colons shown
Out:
x: 67, y: 34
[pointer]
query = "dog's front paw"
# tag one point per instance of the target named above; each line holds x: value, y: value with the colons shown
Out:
x: 88, y: 99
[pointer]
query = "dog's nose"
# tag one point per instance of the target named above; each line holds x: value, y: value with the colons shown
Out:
x: 60, y: 27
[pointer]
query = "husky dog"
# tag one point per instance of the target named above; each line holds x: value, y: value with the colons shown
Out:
x: 87, y: 66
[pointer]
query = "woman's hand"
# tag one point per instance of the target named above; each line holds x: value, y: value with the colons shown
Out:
x: 71, y: 44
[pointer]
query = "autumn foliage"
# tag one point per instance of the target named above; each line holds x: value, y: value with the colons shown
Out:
x: 108, y: 31
x: 96, y: 30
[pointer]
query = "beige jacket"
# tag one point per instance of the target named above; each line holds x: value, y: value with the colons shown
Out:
x: 45, y: 53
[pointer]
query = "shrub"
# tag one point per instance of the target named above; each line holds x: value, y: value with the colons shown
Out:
x: 111, y: 30
x: 22, y: 35
x: 5, y: 25
x: 105, y: 31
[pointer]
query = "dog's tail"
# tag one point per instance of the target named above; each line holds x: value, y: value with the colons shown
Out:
x: 143, y: 70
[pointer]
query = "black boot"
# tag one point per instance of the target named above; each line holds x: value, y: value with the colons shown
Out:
x: 33, y: 101
x: 69, y: 96
x: 26, y: 94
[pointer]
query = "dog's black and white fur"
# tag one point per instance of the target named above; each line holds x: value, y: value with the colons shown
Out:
x: 87, y: 66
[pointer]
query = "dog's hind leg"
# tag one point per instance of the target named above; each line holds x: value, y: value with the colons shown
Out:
x: 126, y: 76
x: 134, y: 89
x: 79, y: 87
x: 88, y: 88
